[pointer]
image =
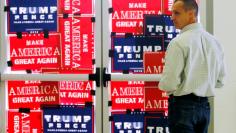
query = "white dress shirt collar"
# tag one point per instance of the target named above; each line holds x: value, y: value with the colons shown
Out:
x: 191, y: 26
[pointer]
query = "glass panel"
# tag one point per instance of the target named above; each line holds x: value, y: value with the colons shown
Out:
x: 49, y: 36
x: 49, y: 106
x: 140, y: 34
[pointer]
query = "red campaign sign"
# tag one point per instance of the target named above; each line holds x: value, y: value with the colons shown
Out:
x: 156, y: 100
x: 24, y: 122
x: 76, y: 6
x: 35, y: 51
x: 168, y: 6
x: 77, y: 38
x: 127, y: 95
x: 32, y: 94
x: 153, y: 62
x: 75, y: 92
x: 128, y: 15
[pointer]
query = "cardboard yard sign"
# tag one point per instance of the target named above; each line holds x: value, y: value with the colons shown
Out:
x: 33, y: 51
x: 75, y: 92
x: 160, y: 25
x: 127, y: 95
x: 77, y: 42
x: 139, y: 122
x: 32, y: 94
x: 24, y: 122
x: 128, y: 51
x: 68, y: 119
x: 76, y: 7
x: 167, y: 5
x: 153, y: 62
x: 127, y: 15
x: 156, y: 100
x: 125, y: 123
x: 33, y: 16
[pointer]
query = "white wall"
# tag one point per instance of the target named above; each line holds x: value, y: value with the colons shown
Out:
x: 225, y: 100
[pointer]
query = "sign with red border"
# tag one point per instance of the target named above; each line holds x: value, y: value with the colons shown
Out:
x: 24, y: 122
x: 167, y: 5
x: 34, y: 51
x: 127, y: 15
x: 76, y: 6
x: 77, y: 42
x: 75, y: 92
x: 156, y: 100
x: 127, y: 95
x: 32, y: 94
x: 153, y: 62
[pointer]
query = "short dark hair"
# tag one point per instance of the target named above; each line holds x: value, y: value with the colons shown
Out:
x: 190, y: 5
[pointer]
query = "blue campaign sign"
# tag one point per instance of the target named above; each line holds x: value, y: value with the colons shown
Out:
x: 68, y: 119
x: 160, y: 25
x: 128, y: 123
x: 32, y: 15
x: 155, y: 124
x: 128, y: 51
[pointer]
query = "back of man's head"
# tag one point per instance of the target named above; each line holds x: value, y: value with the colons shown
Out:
x: 190, y: 5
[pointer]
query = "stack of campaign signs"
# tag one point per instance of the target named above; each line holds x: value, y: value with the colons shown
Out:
x: 130, y: 50
x: 50, y: 36
x: 140, y: 34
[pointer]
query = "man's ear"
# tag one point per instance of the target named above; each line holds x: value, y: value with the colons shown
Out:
x: 191, y: 14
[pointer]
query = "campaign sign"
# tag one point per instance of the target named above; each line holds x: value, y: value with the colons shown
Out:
x: 68, y: 119
x: 76, y: 7
x: 128, y: 123
x: 128, y: 51
x: 167, y: 5
x: 75, y: 92
x: 34, y: 51
x: 24, y: 122
x: 156, y: 100
x: 32, y: 94
x: 155, y: 124
x: 153, y: 62
x: 77, y: 38
x: 127, y: 95
x: 32, y: 15
x: 160, y: 25
x: 127, y: 15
